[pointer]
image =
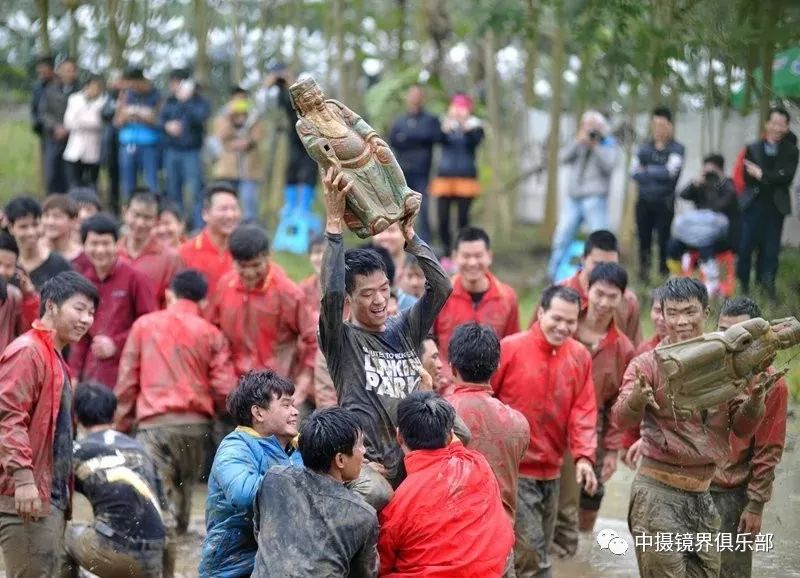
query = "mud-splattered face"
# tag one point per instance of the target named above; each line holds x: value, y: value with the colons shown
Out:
x: 559, y: 322
x: 369, y: 300
x: 684, y: 319
x: 351, y: 465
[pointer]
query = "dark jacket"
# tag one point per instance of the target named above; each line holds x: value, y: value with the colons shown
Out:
x: 657, y: 171
x: 36, y: 106
x: 193, y: 115
x: 108, y: 146
x: 720, y: 198
x: 778, y: 173
x: 458, y: 151
x: 412, y: 137
x: 54, y: 104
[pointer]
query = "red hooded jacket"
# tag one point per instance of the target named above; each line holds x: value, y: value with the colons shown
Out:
x: 200, y: 253
x: 267, y: 327
x: 498, y: 309
x: 31, y: 380
x: 157, y: 263
x: 174, y: 362
x: 16, y: 314
x: 552, y: 387
x: 446, y: 519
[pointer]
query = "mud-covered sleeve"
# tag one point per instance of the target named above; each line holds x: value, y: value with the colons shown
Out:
x: 421, y: 316
x: 238, y: 475
x: 365, y: 563
x: 20, y: 384
x: 583, y: 417
x: 769, y: 440
x: 623, y: 414
x: 331, y: 315
x: 127, y: 387
x: 612, y: 435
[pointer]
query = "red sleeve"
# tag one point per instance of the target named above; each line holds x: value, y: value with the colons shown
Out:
x: 620, y: 414
x: 144, y: 302
x: 128, y: 386
x: 630, y: 437
x: 506, y: 355
x: 613, y: 435
x: 387, y: 541
x: 306, y: 330
x: 222, y: 376
x: 768, y: 444
x: 30, y: 311
x: 20, y: 384
x: 583, y: 416
x: 738, y: 172
x: 512, y: 325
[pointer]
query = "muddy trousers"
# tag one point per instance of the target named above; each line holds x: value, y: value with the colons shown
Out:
x: 33, y: 549
x: 657, y: 510
x: 373, y: 487
x: 537, y: 505
x: 573, y: 503
x: 730, y: 505
x: 85, y: 548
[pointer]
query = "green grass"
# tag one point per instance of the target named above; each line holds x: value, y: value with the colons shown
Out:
x: 520, y: 256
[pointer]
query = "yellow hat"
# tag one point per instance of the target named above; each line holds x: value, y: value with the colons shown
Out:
x: 240, y: 106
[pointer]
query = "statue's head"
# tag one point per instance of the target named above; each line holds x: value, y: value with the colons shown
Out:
x: 306, y: 95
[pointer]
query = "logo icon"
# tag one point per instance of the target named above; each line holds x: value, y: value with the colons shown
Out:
x: 609, y: 540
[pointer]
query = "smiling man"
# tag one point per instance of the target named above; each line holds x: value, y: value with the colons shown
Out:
x: 546, y: 375
x: 36, y: 429
x: 125, y: 295
x: 680, y: 449
x: 373, y: 360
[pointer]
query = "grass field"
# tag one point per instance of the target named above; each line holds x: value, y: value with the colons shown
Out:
x: 520, y: 257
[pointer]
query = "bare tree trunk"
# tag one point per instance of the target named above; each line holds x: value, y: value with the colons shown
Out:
x: 43, y: 14
x: 627, y: 226
x: 201, y: 71
x: 770, y: 17
x: 725, y: 113
x: 439, y: 29
x: 557, y: 81
x: 531, y: 52
x: 74, y: 33
x: 492, y: 200
x: 116, y: 39
x: 297, y: 18
x: 339, y: 38
x: 237, y: 66
x: 402, y: 9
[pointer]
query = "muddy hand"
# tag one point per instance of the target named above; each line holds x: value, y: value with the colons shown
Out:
x: 584, y: 475
x: 335, y: 188
x: 425, y: 380
x: 646, y: 391
x: 27, y: 502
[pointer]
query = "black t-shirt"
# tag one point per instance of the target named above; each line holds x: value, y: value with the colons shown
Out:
x: 476, y: 298
x: 62, y: 447
x: 119, y: 479
x: 51, y: 267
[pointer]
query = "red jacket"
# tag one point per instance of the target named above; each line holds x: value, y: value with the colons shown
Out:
x: 174, y: 362
x: 694, y: 446
x: 16, y: 314
x: 312, y: 294
x: 268, y: 327
x: 631, y: 435
x: 648, y: 345
x: 446, y: 519
x: 552, y: 388
x: 498, y: 309
x: 157, y: 263
x: 626, y: 316
x: 31, y: 380
x: 753, y: 461
x: 200, y: 253
x: 500, y: 433
x: 125, y: 295
x: 609, y: 361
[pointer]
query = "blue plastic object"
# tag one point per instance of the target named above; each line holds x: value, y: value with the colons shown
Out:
x: 570, y: 263
x: 295, y: 231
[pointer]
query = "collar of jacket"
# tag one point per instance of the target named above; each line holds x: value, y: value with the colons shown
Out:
x: 540, y: 341
x: 468, y: 387
x: 418, y: 460
x: 203, y: 241
x: 92, y: 275
x: 272, y: 273
x: 493, y: 292
x: 43, y: 333
x: 151, y: 247
x: 574, y: 282
x: 187, y: 307
x: 609, y: 339
x: 249, y: 431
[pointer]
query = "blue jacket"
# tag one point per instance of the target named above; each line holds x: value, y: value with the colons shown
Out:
x: 193, y: 114
x: 242, y: 459
x: 657, y: 171
x: 139, y: 133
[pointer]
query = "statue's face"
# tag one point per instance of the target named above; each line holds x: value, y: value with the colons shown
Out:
x: 310, y: 99
x: 684, y: 319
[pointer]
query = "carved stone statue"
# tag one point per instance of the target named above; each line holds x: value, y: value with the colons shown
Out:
x: 712, y: 369
x: 335, y: 136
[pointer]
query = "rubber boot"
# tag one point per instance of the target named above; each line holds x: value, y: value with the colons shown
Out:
x: 675, y: 267
x: 586, y: 520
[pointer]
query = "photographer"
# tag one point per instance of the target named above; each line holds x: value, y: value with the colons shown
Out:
x: 712, y: 226
x: 592, y: 156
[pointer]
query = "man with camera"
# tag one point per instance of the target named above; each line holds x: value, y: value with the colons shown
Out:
x: 712, y: 227
x: 592, y: 156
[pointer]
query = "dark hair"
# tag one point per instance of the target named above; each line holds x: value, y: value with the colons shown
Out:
x: 425, y: 420
x: 663, y: 112
x: 682, y: 289
x: 386, y: 257
x: 61, y: 203
x: 85, y: 196
x: 238, y: 90
x: 469, y: 234
x: 68, y: 60
x: 65, y: 285
x: 21, y: 207
x: 559, y: 291
x: 474, y: 352
x: 317, y: 241
x: 327, y: 432
x: 612, y: 273
x: 190, y: 284
x: 248, y: 242
x: 432, y: 337
x: 603, y: 240
x: 411, y: 261
x: 100, y: 224
x: 779, y: 110
x: 179, y: 74
x: 95, y: 78
x: 171, y: 207
x: 47, y: 60
x: 737, y: 306
x: 256, y: 388
x: 94, y: 404
x: 360, y: 262
x: 133, y: 73
x: 8, y: 243
x: 657, y: 295
x: 144, y: 196
x: 715, y: 159
x: 219, y: 187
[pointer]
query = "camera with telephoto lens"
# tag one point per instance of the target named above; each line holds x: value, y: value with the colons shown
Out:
x: 594, y: 134
x: 711, y: 178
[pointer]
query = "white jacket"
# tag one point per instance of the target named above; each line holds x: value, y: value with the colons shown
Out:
x: 85, y: 125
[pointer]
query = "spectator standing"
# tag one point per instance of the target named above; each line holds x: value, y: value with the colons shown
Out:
x: 457, y: 177
x: 412, y: 137
x: 84, y: 121
x: 240, y: 133
x: 45, y: 73
x: 109, y: 149
x: 592, y: 157
x: 770, y: 165
x: 656, y: 167
x: 53, y: 107
x: 136, y: 119
x: 60, y: 226
x: 183, y: 118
